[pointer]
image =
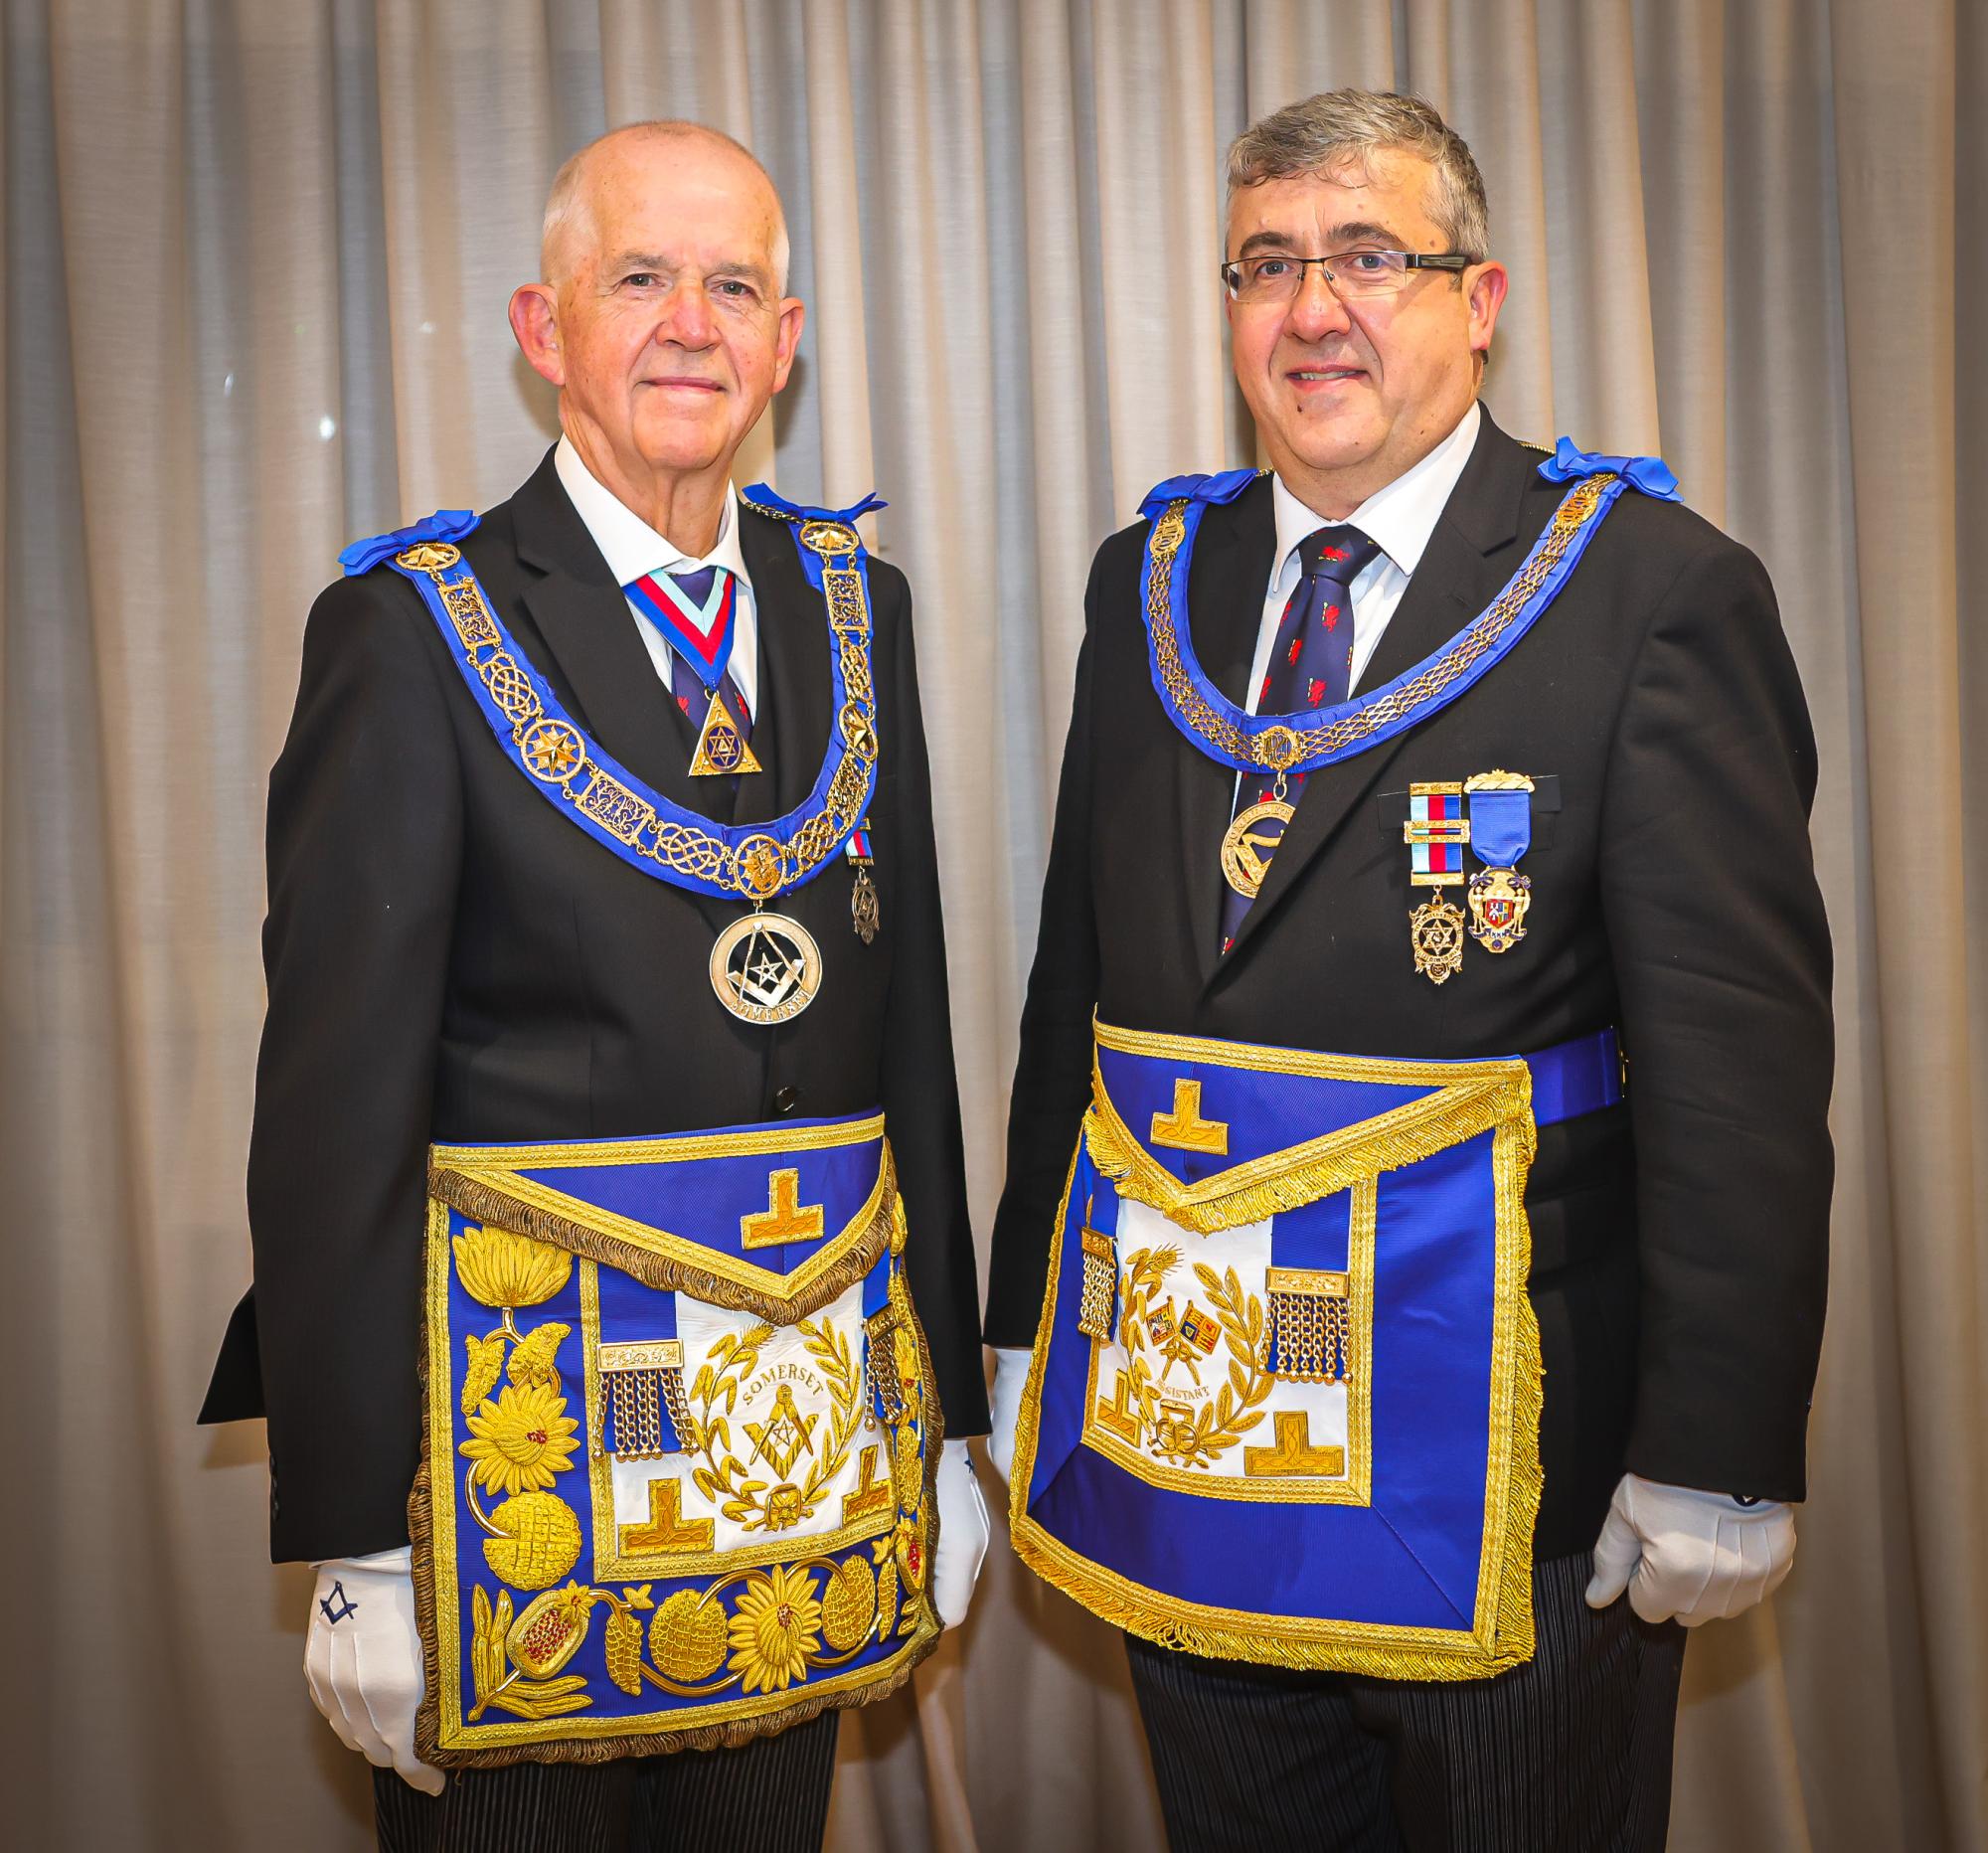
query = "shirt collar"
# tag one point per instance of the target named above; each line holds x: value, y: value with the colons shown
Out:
x: 628, y: 542
x: 1399, y: 517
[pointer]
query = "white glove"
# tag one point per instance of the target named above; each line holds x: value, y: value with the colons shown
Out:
x: 962, y: 1534
x: 1011, y: 1378
x: 363, y: 1660
x: 1693, y: 1555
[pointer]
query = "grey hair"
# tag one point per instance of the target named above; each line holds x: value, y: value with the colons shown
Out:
x: 1338, y: 129
x: 566, y: 201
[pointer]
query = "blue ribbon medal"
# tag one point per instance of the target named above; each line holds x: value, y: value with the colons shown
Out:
x: 1501, y: 831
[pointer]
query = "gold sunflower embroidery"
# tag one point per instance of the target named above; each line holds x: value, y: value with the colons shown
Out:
x: 775, y: 1629
x: 521, y: 1440
x: 506, y: 1270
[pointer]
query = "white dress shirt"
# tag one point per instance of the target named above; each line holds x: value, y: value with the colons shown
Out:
x: 633, y: 548
x: 1399, y: 519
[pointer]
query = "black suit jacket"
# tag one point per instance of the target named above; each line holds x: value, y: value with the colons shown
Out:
x: 449, y: 958
x: 1679, y: 1240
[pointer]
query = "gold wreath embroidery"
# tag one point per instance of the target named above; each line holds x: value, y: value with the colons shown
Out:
x: 724, y: 1473
x: 1171, y: 1431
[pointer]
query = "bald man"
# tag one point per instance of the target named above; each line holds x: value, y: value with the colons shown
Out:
x: 611, y: 1261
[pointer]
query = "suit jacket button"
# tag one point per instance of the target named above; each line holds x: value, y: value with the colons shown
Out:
x: 786, y: 1098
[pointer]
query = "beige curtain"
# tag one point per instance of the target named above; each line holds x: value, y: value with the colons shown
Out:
x: 256, y: 259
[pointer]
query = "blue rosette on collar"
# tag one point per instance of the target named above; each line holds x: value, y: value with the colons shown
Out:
x: 764, y: 497
x: 1651, y: 475
x: 1224, y: 486
x: 445, y: 524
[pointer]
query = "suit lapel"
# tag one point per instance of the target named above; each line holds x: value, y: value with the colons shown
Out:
x: 581, y: 616
x: 1469, y: 558
x: 1228, y: 580
x: 790, y: 729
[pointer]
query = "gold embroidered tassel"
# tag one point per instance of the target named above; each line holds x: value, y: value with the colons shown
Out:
x: 1100, y: 1282
x: 647, y: 1415
x: 1310, y: 1325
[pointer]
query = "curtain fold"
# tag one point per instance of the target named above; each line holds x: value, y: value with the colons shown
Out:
x: 254, y: 267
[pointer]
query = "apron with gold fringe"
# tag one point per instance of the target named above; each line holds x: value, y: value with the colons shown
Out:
x: 679, y: 1438
x: 1285, y: 1398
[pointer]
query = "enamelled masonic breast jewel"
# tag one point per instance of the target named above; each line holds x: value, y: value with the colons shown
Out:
x: 1501, y: 831
x: 1435, y: 832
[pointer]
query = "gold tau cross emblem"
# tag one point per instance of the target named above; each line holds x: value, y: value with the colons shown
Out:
x: 785, y: 1435
x: 785, y: 1217
x: 721, y: 751
x: 667, y: 1529
x: 1184, y: 1130
x: 872, y: 1495
x: 1247, y: 846
x: 1293, y: 1451
x: 1119, y: 1414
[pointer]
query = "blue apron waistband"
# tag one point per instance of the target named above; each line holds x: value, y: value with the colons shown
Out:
x: 1575, y: 1077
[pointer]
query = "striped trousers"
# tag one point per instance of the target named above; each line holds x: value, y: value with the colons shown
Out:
x: 1571, y: 1752
x: 769, y: 1796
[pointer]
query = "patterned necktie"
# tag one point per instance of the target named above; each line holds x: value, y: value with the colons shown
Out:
x: 688, y: 679
x: 1311, y: 666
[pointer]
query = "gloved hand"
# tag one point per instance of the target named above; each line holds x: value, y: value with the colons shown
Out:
x: 1693, y: 1555
x: 1011, y: 1377
x: 962, y: 1534
x: 363, y: 1660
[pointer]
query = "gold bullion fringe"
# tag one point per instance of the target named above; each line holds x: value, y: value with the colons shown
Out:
x: 729, y: 1735
x: 489, y: 1204
x: 1470, y: 1109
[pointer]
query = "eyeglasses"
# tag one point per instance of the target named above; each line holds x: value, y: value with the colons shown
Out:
x: 1356, y: 275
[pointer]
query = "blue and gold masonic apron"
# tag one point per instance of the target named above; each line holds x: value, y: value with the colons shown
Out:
x: 1285, y: 1398
x: 678, y: 1429
x: 676, y: 1476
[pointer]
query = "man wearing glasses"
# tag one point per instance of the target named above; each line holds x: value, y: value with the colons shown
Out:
x: 1418, y: 1177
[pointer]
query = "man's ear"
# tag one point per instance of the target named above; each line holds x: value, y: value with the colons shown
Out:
x: 788, y: 340
x: 534, y: 323
x: 1485, y: 285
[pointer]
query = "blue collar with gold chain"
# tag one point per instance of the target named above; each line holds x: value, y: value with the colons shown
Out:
x: 1283, y: 744
x: 766, y: 968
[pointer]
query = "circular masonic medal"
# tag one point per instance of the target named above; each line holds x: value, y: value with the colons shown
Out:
x: 1250, y: 842
x: 766, y: 968
x: 829, y: 538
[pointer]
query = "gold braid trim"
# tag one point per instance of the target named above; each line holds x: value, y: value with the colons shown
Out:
x: 489, y: 1203
x: 1301, y: 1174
x: 729, y: 1735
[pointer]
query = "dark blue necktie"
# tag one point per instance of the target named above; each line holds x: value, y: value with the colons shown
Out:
x: 1311, y: 666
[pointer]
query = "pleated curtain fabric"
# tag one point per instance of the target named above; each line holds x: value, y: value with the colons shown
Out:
x: 254, y: 264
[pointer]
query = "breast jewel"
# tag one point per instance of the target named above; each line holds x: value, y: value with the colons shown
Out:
x: 764, y: 968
